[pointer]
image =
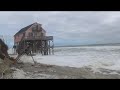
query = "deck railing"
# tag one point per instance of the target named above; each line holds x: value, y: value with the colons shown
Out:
x: 38, y: 38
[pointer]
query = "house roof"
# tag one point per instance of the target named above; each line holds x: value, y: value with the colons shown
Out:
x: 25, y: 28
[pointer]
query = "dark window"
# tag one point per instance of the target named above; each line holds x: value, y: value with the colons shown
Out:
x: 42, y: 34
x: 34, y: 28
x: 30, y: 34
x: 23, y: 34
x: 35, y: 34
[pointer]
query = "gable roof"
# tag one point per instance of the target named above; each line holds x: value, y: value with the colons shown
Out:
x: 23, y: 29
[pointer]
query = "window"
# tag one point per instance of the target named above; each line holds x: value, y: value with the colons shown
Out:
x: 34, y: 28
x: 39, y: 28
x: 41, y: 34
x: 24, y: 34
x: 30, y: 34
x: 35, y: 34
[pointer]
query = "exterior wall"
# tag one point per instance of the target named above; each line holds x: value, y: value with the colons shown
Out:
x: 18, y: 37
x: 28, y: 31
x: 37, y: 34
x: 44, y: 33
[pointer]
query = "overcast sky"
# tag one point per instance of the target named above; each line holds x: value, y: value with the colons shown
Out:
x: 68, y: 28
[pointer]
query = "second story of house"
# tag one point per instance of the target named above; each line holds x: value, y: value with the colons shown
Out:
x: 33, y: 30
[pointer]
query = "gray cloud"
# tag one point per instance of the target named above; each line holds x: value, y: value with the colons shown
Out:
x: 94, y: 26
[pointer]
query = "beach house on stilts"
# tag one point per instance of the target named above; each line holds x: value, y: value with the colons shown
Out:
x: 36, y: 35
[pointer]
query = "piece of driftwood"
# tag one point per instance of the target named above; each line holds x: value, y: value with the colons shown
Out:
x: 26, y: 51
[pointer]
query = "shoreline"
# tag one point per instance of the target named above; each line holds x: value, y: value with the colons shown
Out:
x: 27, y: 70
x: 44, y: 71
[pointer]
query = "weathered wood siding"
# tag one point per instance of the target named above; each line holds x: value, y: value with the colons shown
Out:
x: 18, y: 38
x: 40, y: 33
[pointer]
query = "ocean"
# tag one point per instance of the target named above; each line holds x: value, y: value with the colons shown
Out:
x: 95, y: 57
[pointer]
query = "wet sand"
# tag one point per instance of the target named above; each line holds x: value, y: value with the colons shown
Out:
x: 43, y: 71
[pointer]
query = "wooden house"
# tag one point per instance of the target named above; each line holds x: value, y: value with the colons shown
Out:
x: 35, y: 35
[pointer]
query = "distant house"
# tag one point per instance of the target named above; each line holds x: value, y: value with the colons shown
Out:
x: 34, y: 34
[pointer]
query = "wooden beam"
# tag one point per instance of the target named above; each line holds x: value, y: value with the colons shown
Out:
x: 49, y: 47
x: 53, y: 47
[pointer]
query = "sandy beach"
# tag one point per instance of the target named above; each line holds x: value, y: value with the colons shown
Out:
x: 100, y: 62
x: 45, y: 71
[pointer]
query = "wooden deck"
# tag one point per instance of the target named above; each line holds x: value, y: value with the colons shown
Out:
x: 43, y: 45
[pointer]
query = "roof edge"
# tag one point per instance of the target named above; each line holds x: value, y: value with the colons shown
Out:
x: 26, y: 27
